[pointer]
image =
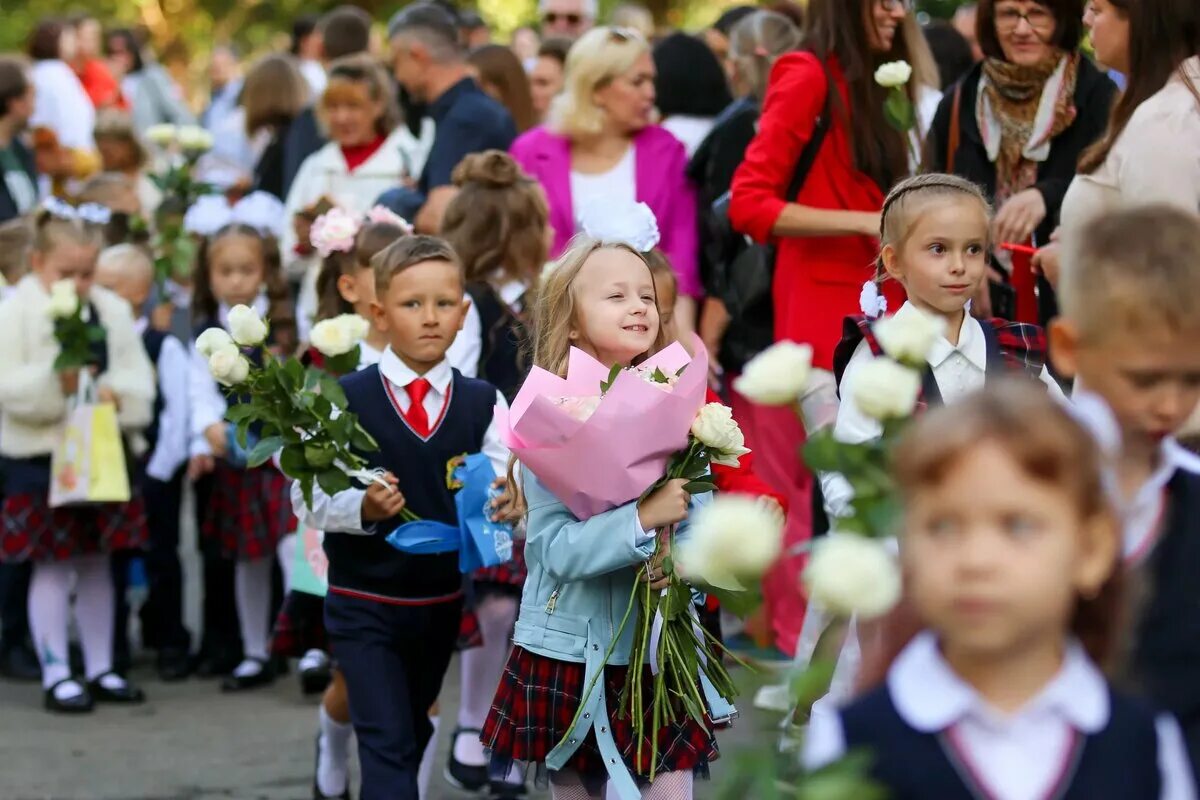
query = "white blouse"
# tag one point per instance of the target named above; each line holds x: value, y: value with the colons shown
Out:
x: 1017, y: 756
x: 1155, y: 160
x: 613, y: 189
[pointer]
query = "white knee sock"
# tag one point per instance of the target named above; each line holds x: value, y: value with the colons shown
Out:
x: 286, y: 551
x: 94, y: 601
x: 252, y: 586
x: 425, y: 772
x: 482, y: 668
x: 49, y: 597
x: 333, y: 763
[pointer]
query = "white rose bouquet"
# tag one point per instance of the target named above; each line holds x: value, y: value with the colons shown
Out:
x: 898, y: 108
x: 178, y: 149
x: 76, y: 337
x: 301, y: 412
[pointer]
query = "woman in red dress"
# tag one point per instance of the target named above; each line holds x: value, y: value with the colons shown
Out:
x: 826, y: 236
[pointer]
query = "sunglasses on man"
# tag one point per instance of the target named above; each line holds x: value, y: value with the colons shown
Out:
x: 554, y: 17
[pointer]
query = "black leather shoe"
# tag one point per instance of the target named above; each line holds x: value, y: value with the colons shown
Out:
x: 80, y: 704
x: 18, y: 663
x: 315, y: 681
x: 464, y: 776
x: 214, y: 665
x: 317, y: 795
x: 499, y: 790
x: 264, y: 677
x: 173, y: 665
x: 126, y: 694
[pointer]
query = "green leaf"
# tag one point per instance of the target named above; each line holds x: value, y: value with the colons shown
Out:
x: 668, y: 566
x: 241, y: 411
x: 361, y: 440
x: 319, y: 457
x: 331, y: 390
x: 306, y: 489
x: 292, y: 462
x: 612, y: 378
x: 740, y: 603
x: 899, y: 110
x: 811, y: 684
x: 263, y: 450
x: 821, y: 452
x: 658, y: 376
x: 333, y: 481
x: 700, y: 487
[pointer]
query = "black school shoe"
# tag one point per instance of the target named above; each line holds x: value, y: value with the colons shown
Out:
x: 317, y: 795
x: 264, y: 677
x: 80, y: 704
x: 463, y: 776
x: 173, y: 664
x: 128, y: 693
x: 499, y: 790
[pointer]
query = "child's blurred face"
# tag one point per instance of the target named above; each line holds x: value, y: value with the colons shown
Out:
x: 995, y: 558
x: 358, y: 289
x: 421, y: 312
x: 943, y: 260
x: 116, y: 153
x: 66, y: 260
x: 616, y: 318
x: 236, y: 269
x: 1150, y: 380
x: 132, y: 285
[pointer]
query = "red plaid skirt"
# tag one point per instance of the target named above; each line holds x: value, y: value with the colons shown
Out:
x: 300, y: 626
x: 507, y: 578
x: 537, y: 700
x: 32, y: 531
x: 249, y: 511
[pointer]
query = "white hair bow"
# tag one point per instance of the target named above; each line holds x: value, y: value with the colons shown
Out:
x: 93, y: 213
x: 212, y: 212
x: 871, y: 302
x: 634, y: 225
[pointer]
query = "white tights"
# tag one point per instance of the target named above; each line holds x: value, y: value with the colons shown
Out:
x: 481, y: 670
x: 252, y: 588
x: 567, y: 785
x: 49, y: 603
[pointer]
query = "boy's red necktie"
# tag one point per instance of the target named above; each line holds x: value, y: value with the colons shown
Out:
x: 417, y: 418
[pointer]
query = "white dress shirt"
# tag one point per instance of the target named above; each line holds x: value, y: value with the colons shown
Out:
x: 172, y: 372
x: 957, y: 369
x: 1017, y: 756
x: 467, y: 349
x: 342, y: 513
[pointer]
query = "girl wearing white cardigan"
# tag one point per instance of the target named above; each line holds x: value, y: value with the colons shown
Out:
x: 71, y: 541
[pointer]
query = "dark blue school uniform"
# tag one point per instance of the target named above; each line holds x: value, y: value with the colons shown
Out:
x: 392, y: 617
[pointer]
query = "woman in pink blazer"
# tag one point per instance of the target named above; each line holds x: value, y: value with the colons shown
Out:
x: 599, y: 150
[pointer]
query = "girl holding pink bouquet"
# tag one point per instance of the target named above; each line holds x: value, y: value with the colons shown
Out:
x: 600, y: 298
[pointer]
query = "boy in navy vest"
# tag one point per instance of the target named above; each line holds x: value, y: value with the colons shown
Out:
x: 128, y: 271
x: 393, y: 617
x: 1129, y: 330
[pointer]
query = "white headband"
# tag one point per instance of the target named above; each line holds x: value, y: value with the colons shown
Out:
x: 212, y: 212
x: 94, y: 213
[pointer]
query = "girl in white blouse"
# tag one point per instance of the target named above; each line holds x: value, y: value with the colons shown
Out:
x: 986, y: 683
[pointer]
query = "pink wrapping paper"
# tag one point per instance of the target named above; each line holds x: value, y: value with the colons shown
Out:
x: 623, y: 448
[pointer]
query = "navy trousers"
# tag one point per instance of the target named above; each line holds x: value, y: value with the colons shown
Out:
x: 394, y: 659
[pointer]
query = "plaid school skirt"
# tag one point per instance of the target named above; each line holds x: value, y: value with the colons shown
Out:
x: 299, y: 626
x: 537, y: 700
x: 249, y: 511
x: 30, y: 530
x: 505, y: 579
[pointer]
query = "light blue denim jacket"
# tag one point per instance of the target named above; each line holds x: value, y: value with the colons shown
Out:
x: 581, y: 576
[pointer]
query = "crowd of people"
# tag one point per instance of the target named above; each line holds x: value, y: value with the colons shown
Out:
x: 608, y: 185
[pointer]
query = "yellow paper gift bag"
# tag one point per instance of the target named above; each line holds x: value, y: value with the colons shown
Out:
x: 88, y: 466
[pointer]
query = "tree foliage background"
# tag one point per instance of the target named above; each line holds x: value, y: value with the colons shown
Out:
x: 182, y: 31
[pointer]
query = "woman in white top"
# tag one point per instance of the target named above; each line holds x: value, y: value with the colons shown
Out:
x: 369, y: 152
x: 60, y: 102
x: 1151, y: 152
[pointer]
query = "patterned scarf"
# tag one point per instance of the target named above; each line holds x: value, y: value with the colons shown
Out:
x: 1015, y: 95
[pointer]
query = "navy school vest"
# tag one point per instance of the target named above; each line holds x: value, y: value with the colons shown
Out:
x: 424, y: 469
x: 504, y: 357
x: 1117, y: 763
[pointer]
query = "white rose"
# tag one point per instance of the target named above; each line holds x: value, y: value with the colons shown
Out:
x: 893, y: 73
x: 229, y: 366
x: 883, y: 389
x: 195, y: 139
x: 333, y: 337
x: 850, y: 574
x: 717, y: 430
x: 732, y: 537
x: 909, y: 336
x: 162, y: 135
x: 212, y: 340
x: 64, y: 301
x: 358, y: 326
x: 246, y: 327
x: 777, y: 376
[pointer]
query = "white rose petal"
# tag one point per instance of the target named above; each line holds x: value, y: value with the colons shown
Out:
x: 246, y: 327
x: 732, y: 537
x: 64, y: 301
x: 852, y: 575
x: 332, y: 337
x: 195, y: 139
x: 212, y: 340
x: 356, y: 325
x: 162, y: 135
x: 893, y: 73
x: 883, y: 389
x: 229, y: 366
x: 717, y: 430
x: 777, y: 376
x: 909, y: 336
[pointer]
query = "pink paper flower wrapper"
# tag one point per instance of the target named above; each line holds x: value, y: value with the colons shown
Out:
x: 618, y: 452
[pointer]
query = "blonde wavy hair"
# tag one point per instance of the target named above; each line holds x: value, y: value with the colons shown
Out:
x: 594, y: 60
